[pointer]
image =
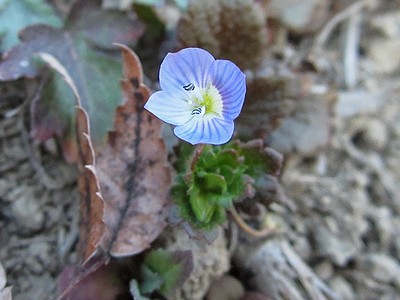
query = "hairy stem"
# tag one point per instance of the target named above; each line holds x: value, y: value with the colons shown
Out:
x: 196, y: 155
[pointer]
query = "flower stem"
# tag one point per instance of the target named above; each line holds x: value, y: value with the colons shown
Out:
x: 192, y: 162
x: 196, y: 155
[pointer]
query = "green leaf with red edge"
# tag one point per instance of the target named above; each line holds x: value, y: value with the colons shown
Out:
x: 87, y: 30
x: 17, y: 14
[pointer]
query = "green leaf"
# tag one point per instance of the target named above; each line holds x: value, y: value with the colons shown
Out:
x: 148, y: 2
x: 211, y: 183
x: 202, y: 208
x: 170, y: 277
x: 216, y: 181
x: 169, y: 269
x: 135, y: 291
x: 228, y: 157
x: 158, y: 260
x: 17, y: 14
x: 258, y: 159
x: 152, y: 281
x: 220, y: 177
x: 207, y: 160
x: 182, y: 4
x: 96, y: 73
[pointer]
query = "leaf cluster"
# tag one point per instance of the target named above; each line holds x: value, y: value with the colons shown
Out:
x: 164, y: 271
x: 221, y: 175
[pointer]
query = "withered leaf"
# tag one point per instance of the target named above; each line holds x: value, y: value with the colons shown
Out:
x: 97, y: 280
x: 88, y: 29
x: 92, y: 206
x: 133, y: 172
x: 266, y: 168
x: 92, y: 225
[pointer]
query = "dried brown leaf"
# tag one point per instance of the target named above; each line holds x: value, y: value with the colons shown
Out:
x: 95, y: 280
x: 92, y: 206
x: 92, y: 225
x: 130, y: 173
x: 133, y: 172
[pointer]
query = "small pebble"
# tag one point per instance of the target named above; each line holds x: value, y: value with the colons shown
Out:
x: 342, y: 287
x: 324, y: 269
x: 227, y: 288
x: 370, y: 134
x: 382, y: 268
x: 375, y: 134
x: 28, y: 215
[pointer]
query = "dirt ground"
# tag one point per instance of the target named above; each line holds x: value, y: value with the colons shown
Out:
x: 345, y: 224
x: 39, y: 206
x: 345, y: 227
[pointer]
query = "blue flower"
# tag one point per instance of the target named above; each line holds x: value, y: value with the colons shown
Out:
x: 201, y: 96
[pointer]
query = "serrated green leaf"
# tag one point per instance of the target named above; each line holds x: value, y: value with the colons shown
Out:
x: 135, y: 291
x: 259, y: 160
x: 228, y: 173
x: 159, y: 260
x: 202, y: 207
x: 228, y: 157
x: 211, y: 183
x: 152, y: 281
x: 219, y: 178
x: 161, y: 267
x: 207, y: 159
x: 170, y: 279
x: 17, y: 14
x: 208, y: 191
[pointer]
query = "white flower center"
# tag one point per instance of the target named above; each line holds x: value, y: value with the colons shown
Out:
x: 205, y: 102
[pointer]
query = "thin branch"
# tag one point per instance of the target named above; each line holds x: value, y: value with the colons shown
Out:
x: 249, y: 230
x: 354, y: 8
x: 350, y: 51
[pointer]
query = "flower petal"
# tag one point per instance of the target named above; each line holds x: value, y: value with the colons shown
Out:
x: 179, y: 69
x: 231, y: 84
x: 213, y: 131
x: 169, y: 108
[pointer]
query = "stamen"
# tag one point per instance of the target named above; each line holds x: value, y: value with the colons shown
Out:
x: 189, y: 87
x: 198, y: 111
